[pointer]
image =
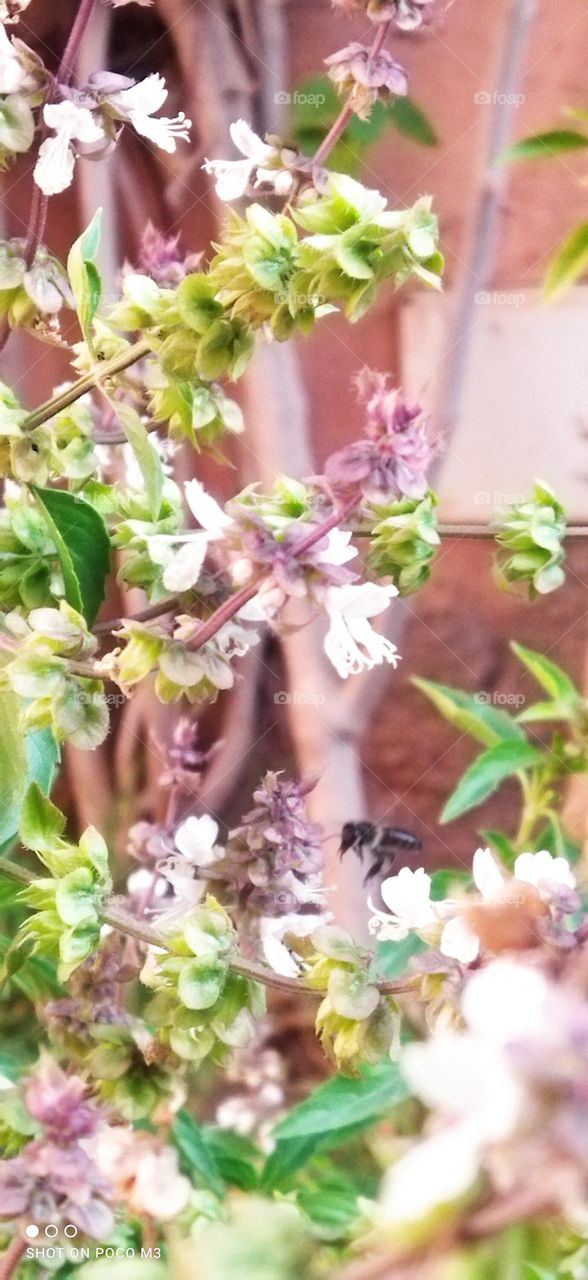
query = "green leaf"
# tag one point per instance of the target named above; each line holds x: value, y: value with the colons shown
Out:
x: 569, y: 262
x: 392, y: 957
x: 541, y: 146
x: 410, y: 119
x: 292, y: 1154
x: 83, y: 547
x: 551, y: 677
x: 200, y: 985
x: 24, y: 758
x: 84, y: 276
x: 501, y: 843
x: 487, y: 772
x: 545, y: 711
x: 41, y: 824
x: 236, y: 1157
x: 197, y: 1157
x: 36, y: 976
x: 471, y: 713
x: 343, y: 1102
x: 147, y: 456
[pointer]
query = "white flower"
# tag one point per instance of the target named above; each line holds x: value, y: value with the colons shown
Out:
x: 145, y: 1178
x: 438, y: 1171
x: 232, y: 177
x: 196, y: 841
x: 55, y: 162
x: 183, y: 565
x: 468, y: 1080
x: 272, y: 930
x: 14, y: 77
x: 351, y: 643
x: 136, y: 106
x: 506, y: 1002
x: 542, y: 870
x: 408, y: 896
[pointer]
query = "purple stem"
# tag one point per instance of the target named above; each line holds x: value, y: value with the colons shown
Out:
x: 11, y: 1257
x: 340, y: 124
x: 230, y: 607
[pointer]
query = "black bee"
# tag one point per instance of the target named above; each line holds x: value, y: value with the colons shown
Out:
x: 380, y: 843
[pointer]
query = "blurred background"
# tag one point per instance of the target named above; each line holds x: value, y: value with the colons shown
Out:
x: 503, y: 378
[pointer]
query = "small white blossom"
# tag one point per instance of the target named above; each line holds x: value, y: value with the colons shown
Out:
x: 14, y: 77
x: 542, y: 870
x: 438, y: 1171
x: 137, y: 105
x: 183, y: 563
x: 351, y: 643
x: 196, y: 840
x: 272, y: 930
x: 408, y: 897
x: 232, y: 177
x: 55, y: 163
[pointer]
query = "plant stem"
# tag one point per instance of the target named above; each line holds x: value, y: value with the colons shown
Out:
x: 108, y: 369
x: 132, y: 928
x: 230, y: 607
x: 340, y: 124
x: 11, y: 1257
x: 67, y: 66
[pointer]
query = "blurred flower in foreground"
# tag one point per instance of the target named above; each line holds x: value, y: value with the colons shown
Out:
x: 509, y: 913
x: 364, y: 79
x: 394, y: 458
x: 507, y: 1097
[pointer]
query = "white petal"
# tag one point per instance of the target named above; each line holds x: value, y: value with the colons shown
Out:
x: 145, y: 97
x: 342, y: 651
x: 277, y: 956
x: 196, y: 838
x: 507, y: 1002
x: 76, y: 122
x: 534, y: 868
x: 488, y: 877
x: 407, y: 895
x: 338, y: 551
x: 249, y: 144
x: 435, y: 1172
x: 55, y: 165
x: 458, y: 941
x: 232, y: 177
x: 205, y: 509
x: 184, y: 568
x: 361, y: 600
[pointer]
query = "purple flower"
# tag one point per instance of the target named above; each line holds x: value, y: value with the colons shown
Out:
x: 393, y: 459
x: 276, y: 854
x: 161, y: 258
x: 362, y: 78
x: 59, y: 1103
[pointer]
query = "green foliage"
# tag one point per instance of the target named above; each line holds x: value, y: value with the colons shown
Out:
x: 201, y: 1009
x: 24, y: 758
x: 83, y: 548
x: 531, y: 542
x: 355, y: 1023
x: 487, y: 772
x: 146, y: 454
x: 471, y: 714
x: 56, y: 698
x: 66, y: 909
x: 316, y: 107
x: 84, y: 276
x: 542, y: 146
x: 569, y: 263
x: 404, y: 541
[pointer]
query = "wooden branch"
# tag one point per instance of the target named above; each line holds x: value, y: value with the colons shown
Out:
x: 126, y: 924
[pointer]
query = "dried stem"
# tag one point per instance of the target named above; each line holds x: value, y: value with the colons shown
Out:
x: 108, y: 369
x: 141, y: 932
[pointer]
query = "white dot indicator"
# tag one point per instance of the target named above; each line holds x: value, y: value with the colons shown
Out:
x: 32, y: 1231
x: 70, y: 1231
x: 51, y: 1231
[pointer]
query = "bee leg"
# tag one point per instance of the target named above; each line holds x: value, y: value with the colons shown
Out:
x: 374, y: 870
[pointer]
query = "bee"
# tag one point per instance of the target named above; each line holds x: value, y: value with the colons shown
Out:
x: 380, y: 843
